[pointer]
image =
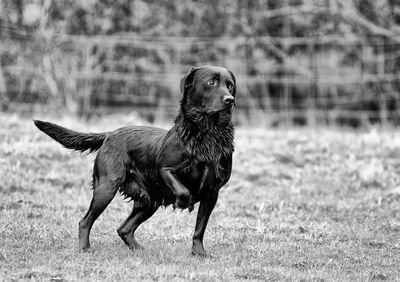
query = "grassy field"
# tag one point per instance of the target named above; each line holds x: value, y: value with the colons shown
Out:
x: 302, y: 204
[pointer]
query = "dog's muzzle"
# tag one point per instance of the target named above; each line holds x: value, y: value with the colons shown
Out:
x: 228, y: 99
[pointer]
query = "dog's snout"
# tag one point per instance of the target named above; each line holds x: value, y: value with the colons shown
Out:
x: 228, y: 99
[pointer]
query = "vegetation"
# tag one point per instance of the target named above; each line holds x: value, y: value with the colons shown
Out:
x: 302, y: 61
x: 309, y: 204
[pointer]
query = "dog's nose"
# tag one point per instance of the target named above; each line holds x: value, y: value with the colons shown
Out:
x: 228, y: 99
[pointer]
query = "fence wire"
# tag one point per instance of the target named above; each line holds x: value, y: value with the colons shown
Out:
x: 321, y: 79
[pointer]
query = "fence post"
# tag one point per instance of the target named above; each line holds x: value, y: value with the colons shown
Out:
x: 383, y: 109
x: 87, y: 91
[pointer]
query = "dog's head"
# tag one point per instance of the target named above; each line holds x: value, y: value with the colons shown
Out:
x: 208, y: 90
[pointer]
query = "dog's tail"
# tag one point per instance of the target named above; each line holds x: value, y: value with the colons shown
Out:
x: 72, y: 139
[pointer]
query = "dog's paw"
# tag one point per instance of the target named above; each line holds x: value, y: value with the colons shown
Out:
x: 86, y: 250
x: 201, y: 253
x: 183, y: 201
x: 136, y: 247
x: 198, y: 249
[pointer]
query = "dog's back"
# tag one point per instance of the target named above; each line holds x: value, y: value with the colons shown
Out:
x: 128, y: 158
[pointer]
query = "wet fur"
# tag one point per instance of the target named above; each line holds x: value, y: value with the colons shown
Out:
x: 153, y: 167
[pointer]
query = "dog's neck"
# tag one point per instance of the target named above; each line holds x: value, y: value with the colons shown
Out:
x: 207, y: 137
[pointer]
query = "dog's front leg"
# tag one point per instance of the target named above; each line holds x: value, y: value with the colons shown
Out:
x: 183, y: 197
x: 206, y: 207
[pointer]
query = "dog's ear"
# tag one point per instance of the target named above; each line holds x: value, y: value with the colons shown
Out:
x: 187, y: 79
x: 234, y: 82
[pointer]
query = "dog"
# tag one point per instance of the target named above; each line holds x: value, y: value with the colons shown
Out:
x: 154, y: 167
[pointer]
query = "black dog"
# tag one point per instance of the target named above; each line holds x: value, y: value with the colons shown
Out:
x: 154, y: 167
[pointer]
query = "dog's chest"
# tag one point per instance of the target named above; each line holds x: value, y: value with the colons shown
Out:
x: 194, y: 170
x: 200, y: 176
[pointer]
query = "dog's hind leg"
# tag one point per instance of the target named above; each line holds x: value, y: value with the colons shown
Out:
x: 103, y: 193
x: 127, y: 229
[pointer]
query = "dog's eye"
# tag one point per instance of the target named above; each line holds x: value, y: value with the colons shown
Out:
x: 212, y: 82
x: 229, y: 86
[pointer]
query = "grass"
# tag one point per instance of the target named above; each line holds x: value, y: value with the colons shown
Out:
x: 302, y: 204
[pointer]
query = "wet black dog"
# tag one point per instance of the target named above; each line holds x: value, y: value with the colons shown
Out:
x: 154, y: 167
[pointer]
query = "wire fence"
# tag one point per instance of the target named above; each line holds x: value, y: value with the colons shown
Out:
x: 281, y: 80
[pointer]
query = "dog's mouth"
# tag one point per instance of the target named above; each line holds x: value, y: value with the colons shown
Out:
x: 196, y: 114
x: 227, y: 109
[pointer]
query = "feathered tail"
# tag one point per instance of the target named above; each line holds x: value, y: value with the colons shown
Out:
x: 72, y: 139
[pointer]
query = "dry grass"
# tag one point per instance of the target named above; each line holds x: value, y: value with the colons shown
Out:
x: 302, y: 204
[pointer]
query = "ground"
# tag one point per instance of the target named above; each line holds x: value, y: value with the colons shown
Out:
x: 317, y: 204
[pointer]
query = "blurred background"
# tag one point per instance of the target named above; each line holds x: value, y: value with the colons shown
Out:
x: 297, y: 62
